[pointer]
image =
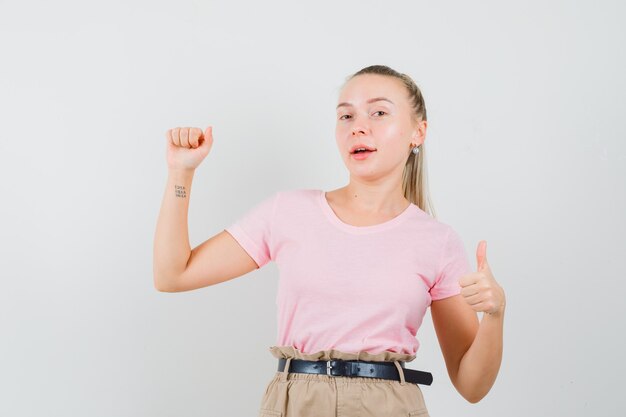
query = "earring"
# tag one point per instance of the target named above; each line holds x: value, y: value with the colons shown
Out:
x: 416, y: 150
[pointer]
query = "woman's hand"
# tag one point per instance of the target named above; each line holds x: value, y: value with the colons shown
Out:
x: 187, y: 147
x: 480, y: 289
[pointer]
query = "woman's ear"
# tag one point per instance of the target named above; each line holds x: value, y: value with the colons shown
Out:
x: 420, y: 133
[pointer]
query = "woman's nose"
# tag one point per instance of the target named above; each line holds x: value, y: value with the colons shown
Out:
x: 358, y: 128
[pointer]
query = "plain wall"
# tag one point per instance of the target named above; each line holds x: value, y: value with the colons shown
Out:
x: 526, y: 150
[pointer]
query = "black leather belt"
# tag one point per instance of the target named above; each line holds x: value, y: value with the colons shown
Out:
x: 338, y: 367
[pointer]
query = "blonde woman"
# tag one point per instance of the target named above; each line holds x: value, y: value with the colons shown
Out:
x: 359, y: 265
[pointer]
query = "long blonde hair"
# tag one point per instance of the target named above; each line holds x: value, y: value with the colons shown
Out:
x: 414, y: 177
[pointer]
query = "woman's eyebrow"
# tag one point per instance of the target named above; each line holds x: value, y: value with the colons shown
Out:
x: 371, y: 100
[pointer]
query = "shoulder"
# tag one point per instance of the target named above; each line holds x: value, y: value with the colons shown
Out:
x: 441, y: 234
x: 297, y: 194
x: 431, y: 225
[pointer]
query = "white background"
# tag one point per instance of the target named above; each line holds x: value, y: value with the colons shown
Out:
x: 526, y: 149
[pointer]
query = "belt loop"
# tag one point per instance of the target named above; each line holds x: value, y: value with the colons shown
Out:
x: 401, y: 372
x: 283, y: 377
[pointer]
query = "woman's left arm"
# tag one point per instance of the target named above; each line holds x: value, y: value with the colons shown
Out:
x: 472, y: 350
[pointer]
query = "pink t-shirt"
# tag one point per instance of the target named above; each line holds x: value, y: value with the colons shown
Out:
x: 350, y: 288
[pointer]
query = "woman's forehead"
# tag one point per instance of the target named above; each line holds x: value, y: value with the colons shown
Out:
x: 367, y: 86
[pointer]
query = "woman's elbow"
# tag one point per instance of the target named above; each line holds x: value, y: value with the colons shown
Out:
x: 473, y: 396
x: 469, y: 390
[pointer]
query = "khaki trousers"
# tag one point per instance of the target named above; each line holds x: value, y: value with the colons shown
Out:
x: 319, y: 395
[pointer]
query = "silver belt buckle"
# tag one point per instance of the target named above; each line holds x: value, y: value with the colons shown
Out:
x: 328, y: 368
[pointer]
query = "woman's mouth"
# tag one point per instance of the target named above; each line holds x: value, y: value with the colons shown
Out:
x: 359, y: 155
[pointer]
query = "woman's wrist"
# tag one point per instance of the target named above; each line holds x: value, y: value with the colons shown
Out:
x: 498, y: 313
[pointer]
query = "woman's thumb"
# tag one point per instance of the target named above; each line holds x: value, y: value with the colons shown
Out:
x: 207, y: 138
x: 208, y: 133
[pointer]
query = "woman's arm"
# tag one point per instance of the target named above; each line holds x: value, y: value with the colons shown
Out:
x: 472, y: 350
x: 171, y: 249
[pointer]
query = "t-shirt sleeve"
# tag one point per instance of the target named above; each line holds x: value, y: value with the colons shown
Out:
x: 452, y: 266
x: 253, y: 230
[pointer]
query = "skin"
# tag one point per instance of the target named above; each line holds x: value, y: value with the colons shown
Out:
x: 472, y: 349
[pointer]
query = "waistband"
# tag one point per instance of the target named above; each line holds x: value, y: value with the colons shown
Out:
x: 324, y: 355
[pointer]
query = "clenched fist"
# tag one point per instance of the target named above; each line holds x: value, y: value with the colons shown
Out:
x: 480, y: 289
x: 187, y: 146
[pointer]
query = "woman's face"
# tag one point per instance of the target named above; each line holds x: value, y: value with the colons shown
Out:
x: 374, y: 110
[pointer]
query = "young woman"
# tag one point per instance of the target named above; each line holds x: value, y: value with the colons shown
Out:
x: 358, y: 265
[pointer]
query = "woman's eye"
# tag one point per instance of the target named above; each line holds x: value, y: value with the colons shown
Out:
x: 345, y: 116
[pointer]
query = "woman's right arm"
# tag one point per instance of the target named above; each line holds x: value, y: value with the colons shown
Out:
x: 175, y: 266
x: 171, y: 241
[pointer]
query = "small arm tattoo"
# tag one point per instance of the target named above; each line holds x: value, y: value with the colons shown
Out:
x: 180, y: 191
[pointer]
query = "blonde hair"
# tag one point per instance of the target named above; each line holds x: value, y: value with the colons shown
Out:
x: 414, y: 177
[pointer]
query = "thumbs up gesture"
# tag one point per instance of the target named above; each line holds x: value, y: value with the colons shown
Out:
x: 480, y: 289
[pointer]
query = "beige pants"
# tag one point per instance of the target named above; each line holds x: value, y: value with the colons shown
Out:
x: 320, y: 395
